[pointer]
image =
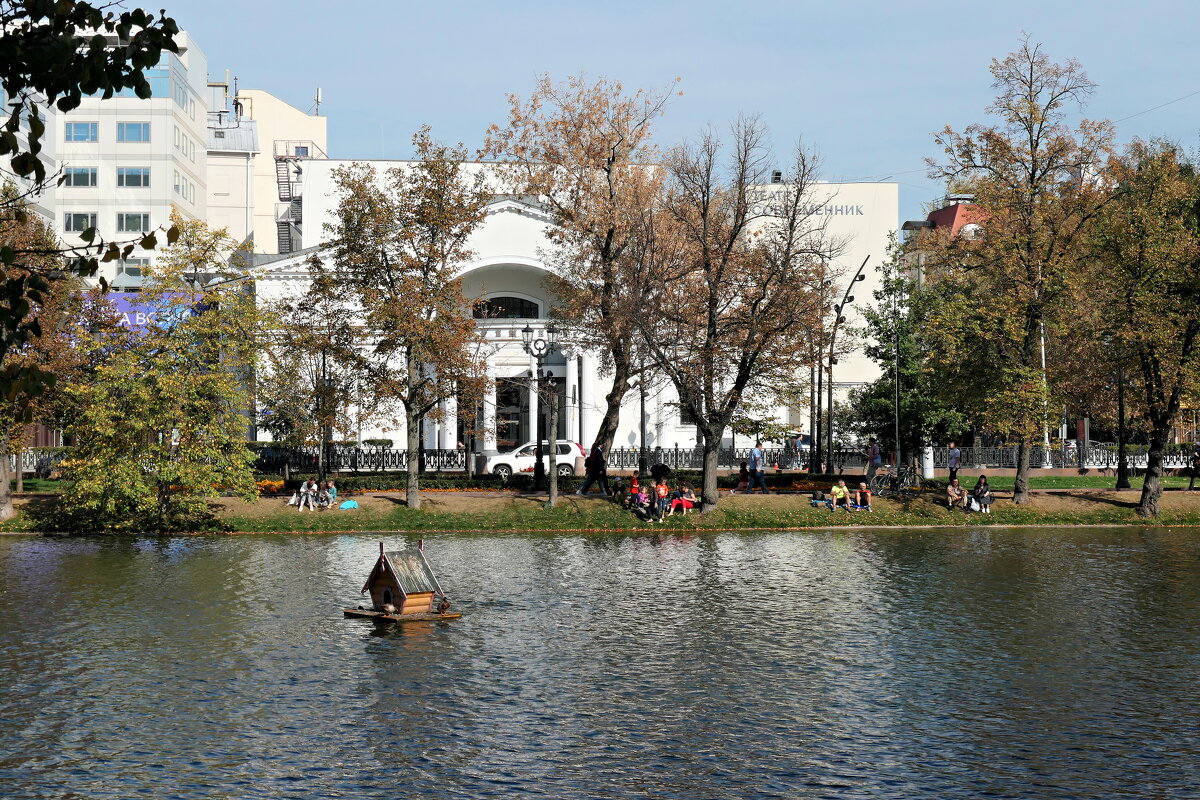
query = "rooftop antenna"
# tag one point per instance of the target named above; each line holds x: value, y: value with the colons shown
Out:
x: 317, y: 103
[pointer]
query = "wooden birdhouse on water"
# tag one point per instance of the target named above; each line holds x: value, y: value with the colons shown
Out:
x: 402, y: 588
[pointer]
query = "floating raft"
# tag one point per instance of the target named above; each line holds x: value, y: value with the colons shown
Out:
x: 383, y: 616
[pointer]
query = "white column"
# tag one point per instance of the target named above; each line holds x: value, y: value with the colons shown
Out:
x: 430, y: 433
x: 450, y: 424
x: 489, y: 408
x: 572, y: 393
x: 590, y: 398
x: 533, y: 402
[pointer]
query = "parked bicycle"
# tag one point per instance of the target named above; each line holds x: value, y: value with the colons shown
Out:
x: 890, y: 480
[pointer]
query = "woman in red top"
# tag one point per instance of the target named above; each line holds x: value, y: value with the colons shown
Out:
x: 685, y: 501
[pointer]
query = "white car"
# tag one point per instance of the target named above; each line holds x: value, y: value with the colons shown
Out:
x: 522, y: 459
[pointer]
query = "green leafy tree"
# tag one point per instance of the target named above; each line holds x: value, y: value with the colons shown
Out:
x: 56, y: 52
x: 1148, y: 280
x: 897, y: 322
x: 161, y: 423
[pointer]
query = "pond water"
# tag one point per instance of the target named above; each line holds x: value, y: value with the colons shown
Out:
x: 897, y: 664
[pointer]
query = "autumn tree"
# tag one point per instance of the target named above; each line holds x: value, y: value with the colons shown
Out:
x: 398, y: 242
x: 1147, y: 280
x: 740, y: 262
x: 1002, y: 296
x: 584, y: 149
x: 162, y: 422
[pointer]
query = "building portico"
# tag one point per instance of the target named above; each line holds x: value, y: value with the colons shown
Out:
x: 508, y: 274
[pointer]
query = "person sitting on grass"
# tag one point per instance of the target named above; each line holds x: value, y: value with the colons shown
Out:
x: 685, y: 502
x: 982, y: 494
x: 862, y: 497
x: 839, y: 495
x: 743, y: 484
x: 636, y: 498
x: 956, y: 495
x: 618, y: 490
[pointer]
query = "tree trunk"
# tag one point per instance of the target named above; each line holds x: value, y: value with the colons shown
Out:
x: 1021, y: 484
x: 612, y: 412
x: 1152, y: 485
x: 20, y: 472
x: 412, y: 431
x: 6, y: 500
x: 552, y: 438
x: 1122, y: 448
x: 712, y: 451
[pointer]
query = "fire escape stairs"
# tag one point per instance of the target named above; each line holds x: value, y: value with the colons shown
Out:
x: 283, y: 179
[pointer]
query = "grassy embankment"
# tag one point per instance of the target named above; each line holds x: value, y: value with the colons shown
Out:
x: 501, y: 512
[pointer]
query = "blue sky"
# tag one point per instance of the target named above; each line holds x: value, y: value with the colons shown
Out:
x: 865, y: 83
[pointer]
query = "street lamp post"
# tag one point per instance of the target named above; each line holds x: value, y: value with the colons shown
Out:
x: 838, y: 319
x: 540, y: 348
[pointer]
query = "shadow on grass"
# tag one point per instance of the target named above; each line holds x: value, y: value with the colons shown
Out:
x: 1096, y: 497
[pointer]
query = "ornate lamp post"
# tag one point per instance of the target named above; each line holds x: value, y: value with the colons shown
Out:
x: 540, y: 347
x: 838, y: 319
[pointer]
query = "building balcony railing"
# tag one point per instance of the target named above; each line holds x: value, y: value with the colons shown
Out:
x: 298, y: 148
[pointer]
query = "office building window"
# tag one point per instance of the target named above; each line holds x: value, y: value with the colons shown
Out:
x: 301, y: 151
x: 80, y: 176
x: 184, y: 187
x: 130, y: 269
x: 133, y: 131
x: 133, y: 223
x: 77, y: 223
x: 82, y: 131
x: 133, y: 177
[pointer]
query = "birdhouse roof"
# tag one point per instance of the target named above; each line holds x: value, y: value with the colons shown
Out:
x: 409, y: 568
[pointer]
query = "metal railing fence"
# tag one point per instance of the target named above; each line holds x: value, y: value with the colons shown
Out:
x: 1099, y: 455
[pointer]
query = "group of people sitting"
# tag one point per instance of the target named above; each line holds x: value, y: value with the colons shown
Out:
x: 315, y: 495
x: 977, y: 499
x: 842, y: 496
x: 657, y: 501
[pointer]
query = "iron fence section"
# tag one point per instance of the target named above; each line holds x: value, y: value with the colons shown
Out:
x: 1098, y: 456
x: 357, y: 459
x: 692, y: 458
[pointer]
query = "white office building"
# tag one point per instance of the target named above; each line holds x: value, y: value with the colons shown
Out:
x: 508, y: 271
x: 128, y: 161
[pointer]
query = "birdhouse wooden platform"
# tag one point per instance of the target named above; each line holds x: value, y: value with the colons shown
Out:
x: 403, y: 588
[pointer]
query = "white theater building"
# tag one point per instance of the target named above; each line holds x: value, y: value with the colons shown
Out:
x: 508, y: 271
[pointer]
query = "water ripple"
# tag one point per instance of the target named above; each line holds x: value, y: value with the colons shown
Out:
x: 1015, y: 664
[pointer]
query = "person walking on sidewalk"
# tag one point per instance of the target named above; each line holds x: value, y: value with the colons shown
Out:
x: 596, y: 466
x: 756, y: 468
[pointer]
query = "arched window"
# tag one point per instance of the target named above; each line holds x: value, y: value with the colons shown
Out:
x: 507, y: 308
